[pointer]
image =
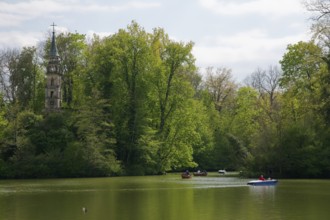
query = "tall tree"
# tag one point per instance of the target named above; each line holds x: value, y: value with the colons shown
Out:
x: 320, y: 10
x: 8, y: 64
x: 24, y: 77
x: 303, y: 69
x: 174, y: 65
x: 132, y: 54
x: 220, y: 85
x: 266, y: 83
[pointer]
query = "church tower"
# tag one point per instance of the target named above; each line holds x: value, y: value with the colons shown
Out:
x: 53, y: 78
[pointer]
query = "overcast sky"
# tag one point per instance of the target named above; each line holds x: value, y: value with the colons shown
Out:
x: 241, y: 35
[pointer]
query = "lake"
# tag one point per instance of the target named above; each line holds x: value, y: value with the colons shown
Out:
x: 167, y: 197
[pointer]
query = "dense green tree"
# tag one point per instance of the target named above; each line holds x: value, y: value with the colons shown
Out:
x: 208, y: 152
x: 6, y: 58
x: 172, y: 101
x: 301, y: 142
x: 242, y: 120
x: 320, y: 28
x: 221, y: 86
x: 92, y: 153
x: 132, y: 54
x: 8, y: 65
x: 16, y: 149
x: 302, y: 65
x: 220, y: 95
x: 21, y: 78
x: 265, y: 143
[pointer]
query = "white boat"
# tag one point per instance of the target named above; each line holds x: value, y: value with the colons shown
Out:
x: 262, y: 182
x: 222, y: 171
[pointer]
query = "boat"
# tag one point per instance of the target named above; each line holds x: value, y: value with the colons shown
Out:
x: 262, y: 182
x: 222, y: 172
x: 200, y: 173
x: 185, y: 175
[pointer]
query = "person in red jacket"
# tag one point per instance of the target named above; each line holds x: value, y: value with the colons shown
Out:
x: 262, y: 178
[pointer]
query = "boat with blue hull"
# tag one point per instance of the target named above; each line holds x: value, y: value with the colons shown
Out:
x: 262, y: 182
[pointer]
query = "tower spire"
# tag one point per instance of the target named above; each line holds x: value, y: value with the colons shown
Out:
x: 53, y: 49
x: 53, y: 95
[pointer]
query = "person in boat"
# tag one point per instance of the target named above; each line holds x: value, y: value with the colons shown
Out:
x: 262, y: 178
x: 187, y: 172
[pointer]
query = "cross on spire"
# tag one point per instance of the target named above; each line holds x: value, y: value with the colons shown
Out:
x: 53, y: 26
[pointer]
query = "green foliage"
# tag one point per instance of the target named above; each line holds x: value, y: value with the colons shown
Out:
x: 95, y: 132
x: 135, y: 104
x: 171, y: 102
x: 240, y: 121
x: 220, y: 86
x: 24, y: 78
x: 46, y: 147
x: 3, y: 120
x: 301, y: 64
x: 299, y: 152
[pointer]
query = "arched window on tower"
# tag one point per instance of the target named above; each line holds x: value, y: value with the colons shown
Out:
x: 52, y: 81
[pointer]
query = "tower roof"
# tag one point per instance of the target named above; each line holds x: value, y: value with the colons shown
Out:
x: 53, y: 49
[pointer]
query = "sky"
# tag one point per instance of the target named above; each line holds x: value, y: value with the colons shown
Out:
x: 241, y: 35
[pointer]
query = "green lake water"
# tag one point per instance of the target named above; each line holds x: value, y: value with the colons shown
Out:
x: 163, y: 198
